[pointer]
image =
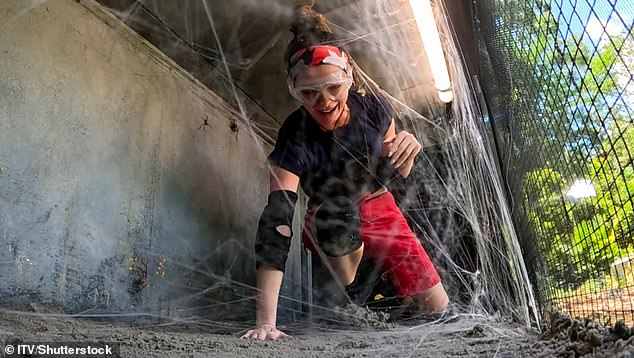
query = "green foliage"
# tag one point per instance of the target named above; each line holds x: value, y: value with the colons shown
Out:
x: 568, y: 118
x: 583, y: 238
x: 574, y: 122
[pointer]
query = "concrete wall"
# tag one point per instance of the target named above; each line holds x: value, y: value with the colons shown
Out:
x: 112, y: 195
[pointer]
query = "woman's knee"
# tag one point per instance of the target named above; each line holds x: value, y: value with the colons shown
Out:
x: 432, y: 300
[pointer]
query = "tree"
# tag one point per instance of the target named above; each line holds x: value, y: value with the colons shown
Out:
x: 580, y: 113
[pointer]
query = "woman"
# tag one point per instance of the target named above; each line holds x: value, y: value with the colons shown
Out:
x: 335, y: 145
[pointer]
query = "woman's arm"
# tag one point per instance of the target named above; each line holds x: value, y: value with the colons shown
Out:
x: 402, y: 148
x: 269, y: 279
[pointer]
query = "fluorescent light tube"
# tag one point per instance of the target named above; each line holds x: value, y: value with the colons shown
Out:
x: 424, y: 16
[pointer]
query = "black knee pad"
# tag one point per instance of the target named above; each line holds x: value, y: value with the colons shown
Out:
x: 338, y: 226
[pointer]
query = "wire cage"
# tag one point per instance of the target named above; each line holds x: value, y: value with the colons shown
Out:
x: 558, y: 80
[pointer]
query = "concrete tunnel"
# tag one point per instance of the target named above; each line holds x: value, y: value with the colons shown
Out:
x: 133, y: 144
x: 130, y: 179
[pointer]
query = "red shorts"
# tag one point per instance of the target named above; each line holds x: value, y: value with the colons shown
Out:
x: 390, y: 243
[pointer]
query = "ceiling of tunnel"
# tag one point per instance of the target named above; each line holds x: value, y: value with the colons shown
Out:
x: 244, y: 40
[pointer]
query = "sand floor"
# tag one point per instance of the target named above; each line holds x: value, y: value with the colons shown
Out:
x: 459, y: 336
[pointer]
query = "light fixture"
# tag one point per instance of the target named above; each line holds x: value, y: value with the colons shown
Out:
x: 424, y: 16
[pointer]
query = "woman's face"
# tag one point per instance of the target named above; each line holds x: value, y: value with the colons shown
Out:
x: 325, y: 93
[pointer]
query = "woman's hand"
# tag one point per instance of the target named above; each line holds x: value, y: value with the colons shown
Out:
x: 265, y: 332
x: 402, y: 149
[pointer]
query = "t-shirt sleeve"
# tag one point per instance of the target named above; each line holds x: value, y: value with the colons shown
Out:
x: 290, y: 147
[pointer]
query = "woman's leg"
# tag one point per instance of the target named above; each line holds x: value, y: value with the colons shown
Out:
x: 388, y: 239
x: 345, y: 267
x: 432, y: 300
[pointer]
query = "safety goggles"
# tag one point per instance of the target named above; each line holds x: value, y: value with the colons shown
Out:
x: 332, y: 89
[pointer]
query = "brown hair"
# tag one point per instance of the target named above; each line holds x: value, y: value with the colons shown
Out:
x: 309, y: 28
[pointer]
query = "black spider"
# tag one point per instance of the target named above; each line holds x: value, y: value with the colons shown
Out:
x: 234, y: 125
x: 205, y: 124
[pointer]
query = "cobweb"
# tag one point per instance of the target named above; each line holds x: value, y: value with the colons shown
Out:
x: 454, y: 199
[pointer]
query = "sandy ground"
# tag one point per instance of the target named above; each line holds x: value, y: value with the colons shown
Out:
x: 607, y: 306
x: 458, y: 336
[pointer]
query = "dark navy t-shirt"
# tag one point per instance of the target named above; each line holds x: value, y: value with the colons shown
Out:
x: 339, y: 162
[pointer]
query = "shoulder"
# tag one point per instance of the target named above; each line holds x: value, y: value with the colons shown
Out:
x: 290, y: 151
x: 294, y: 119
x: 294, y: 125
x: 371, y: 102
x: 375, y: 106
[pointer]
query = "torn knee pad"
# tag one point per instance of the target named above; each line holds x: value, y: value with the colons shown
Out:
x: 338, y: 226
x: 271, y: 247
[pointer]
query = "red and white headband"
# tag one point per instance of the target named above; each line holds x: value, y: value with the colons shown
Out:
x: 317, y: 55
